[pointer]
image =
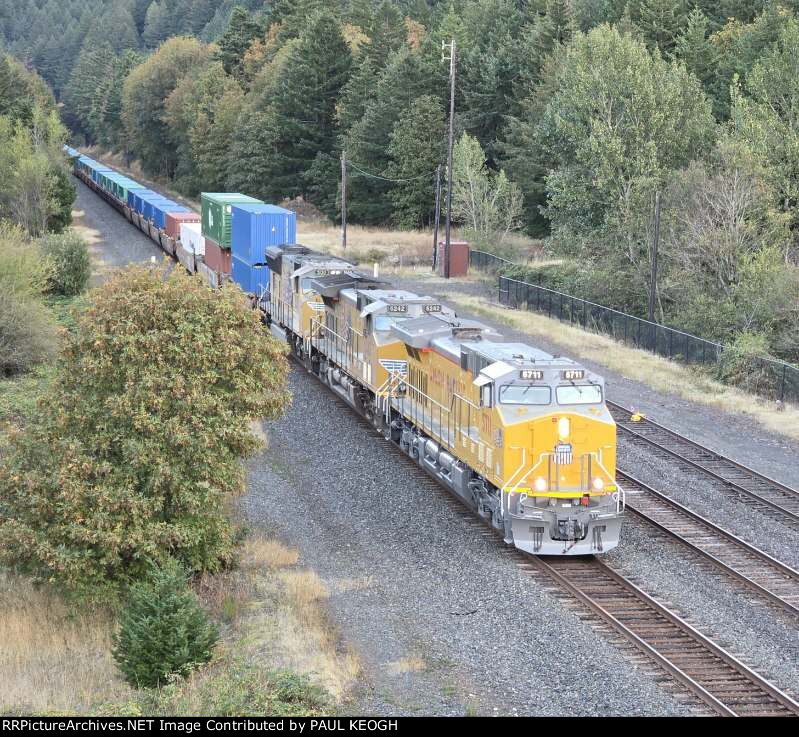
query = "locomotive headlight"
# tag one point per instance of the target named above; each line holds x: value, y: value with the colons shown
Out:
x: 540, y: 484
x: 598, y: 484
x: 564, y: 428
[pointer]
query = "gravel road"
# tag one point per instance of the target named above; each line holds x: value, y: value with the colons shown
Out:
x: 113, y: 241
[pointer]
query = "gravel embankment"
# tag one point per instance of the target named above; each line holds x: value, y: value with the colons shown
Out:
x: 413, y: 576
x: 712, y: 500
x: 113, y: 241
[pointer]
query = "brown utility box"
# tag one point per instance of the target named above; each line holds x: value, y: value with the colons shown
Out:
x: 216, y: 257
x: 458, y: 257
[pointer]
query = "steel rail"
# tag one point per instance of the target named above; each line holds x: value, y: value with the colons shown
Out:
x: 712, y: 674
x: 731, y: 545
x: 622, y: 416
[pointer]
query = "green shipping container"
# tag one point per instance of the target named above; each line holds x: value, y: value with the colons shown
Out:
x: 216, y: 214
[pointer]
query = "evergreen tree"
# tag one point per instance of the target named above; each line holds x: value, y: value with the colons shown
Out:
x: 404, y: 79
x: 765, y: 118
x: 241, y: 32
x: 416, y: 148
x: 163, y: 631
x: 156, y: 24
x: 698, y: 53
x: 662, y: 22
x: 286, y: 143
x: 386, y: 32
x: 95, y: 66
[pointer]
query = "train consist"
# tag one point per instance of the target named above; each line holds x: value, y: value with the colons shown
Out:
x: 522, y: 437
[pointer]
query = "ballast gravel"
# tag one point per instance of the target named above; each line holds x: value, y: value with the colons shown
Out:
x: 762, y: 637
x: 414, y: 578
x: 113, y: 240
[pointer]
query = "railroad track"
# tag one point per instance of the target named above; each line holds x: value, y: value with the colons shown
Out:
x: 760, y: 572
x: 771, y: 496
x: 711, y: 674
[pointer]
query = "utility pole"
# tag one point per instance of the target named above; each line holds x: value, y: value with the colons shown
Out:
x: 438, y: 216
x: 452, y: 67
x: 654, y: 273
x: 344, y: 200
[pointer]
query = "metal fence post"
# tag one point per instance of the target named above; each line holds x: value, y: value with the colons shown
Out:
x: 782, y: 383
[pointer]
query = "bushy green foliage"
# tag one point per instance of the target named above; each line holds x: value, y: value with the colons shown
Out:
x: 741, y: 364
x: 144, y: 100
x: 27, y: 335
x: 139, y: 449
x: 163, y: 631
x: 70, y: 265
x: 27, y: 330
x: 488, y: 205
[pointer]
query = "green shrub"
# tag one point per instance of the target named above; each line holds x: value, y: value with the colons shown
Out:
x: 68, y: 255
x: 62, y: 193
x: 137, y: 451
x: 23, y: 271
x: 27, y: 334
x: 163, y: 630
x: 741, y: 365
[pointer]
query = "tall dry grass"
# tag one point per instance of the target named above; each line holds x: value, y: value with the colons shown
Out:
x: 53, y: 658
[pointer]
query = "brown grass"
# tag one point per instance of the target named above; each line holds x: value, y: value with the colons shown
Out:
x: 648, y: 368
x: 53, y: 658
x: 409, y: 664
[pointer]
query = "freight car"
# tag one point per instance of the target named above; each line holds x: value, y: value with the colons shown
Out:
x: 521, y: 436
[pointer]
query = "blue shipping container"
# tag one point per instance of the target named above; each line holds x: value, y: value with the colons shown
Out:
x: 139, y: 198
x: 255, y: 227
x: 148, y: 204
x: 253, y: 279
x: 162, y: 207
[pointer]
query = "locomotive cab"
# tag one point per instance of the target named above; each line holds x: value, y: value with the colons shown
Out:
x: 558, y: 444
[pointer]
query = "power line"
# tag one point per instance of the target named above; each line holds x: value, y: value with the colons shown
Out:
x: 387, y: 179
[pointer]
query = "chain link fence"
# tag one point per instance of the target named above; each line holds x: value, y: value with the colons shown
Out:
x: 771, y: 378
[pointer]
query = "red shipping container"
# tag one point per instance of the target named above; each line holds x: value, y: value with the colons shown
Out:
x: 172, y: 221
x: 216, y: 257
x: 458, y: 257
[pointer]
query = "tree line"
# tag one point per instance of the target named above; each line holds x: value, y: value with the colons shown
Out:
x: 575, y: 113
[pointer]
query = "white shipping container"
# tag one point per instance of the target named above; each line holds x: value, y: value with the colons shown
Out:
x: 192, y: 238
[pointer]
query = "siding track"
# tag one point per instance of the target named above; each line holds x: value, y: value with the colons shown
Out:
x: 774, y: 498
x: 772, y: 579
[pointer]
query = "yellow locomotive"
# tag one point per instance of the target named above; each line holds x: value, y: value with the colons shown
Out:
x: 521, y: 436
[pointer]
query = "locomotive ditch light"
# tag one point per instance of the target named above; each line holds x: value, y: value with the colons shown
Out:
x: 598, y: 484
x: 540, y: 484
x: 564, y: 428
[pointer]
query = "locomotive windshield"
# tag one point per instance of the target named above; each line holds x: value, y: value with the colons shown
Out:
x: 579, y: 394
x: 521, y: 394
